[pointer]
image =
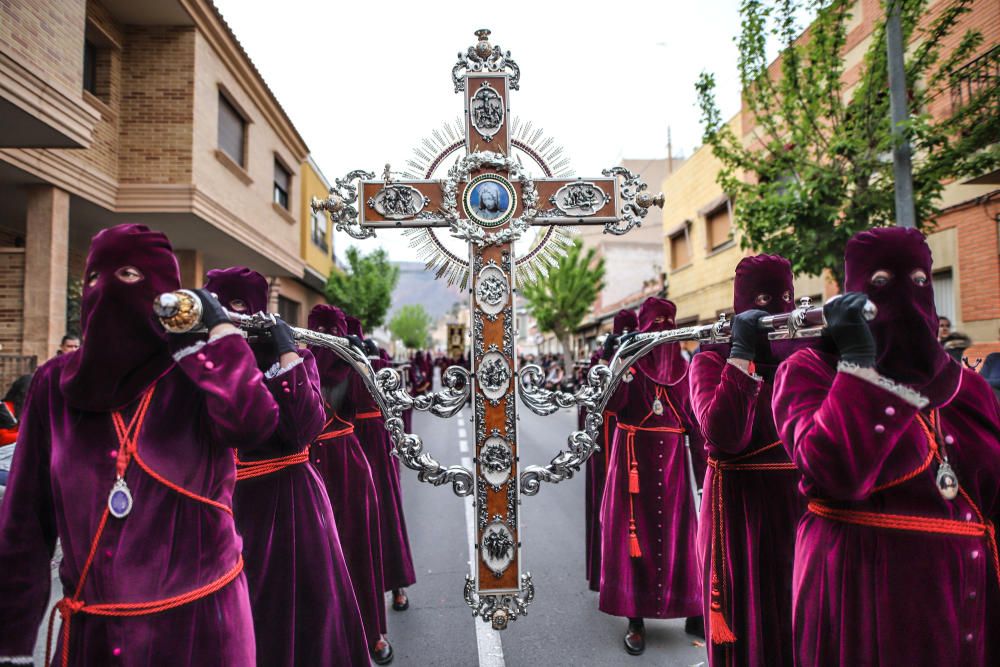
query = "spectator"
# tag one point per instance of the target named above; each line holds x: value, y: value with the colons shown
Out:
x: 991, y: 372
x: 70, y: 343
x: 944, y: 328
x: 555, y: 376
x: 956, y: 344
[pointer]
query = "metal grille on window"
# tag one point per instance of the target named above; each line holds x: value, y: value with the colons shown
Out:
x: 232, y: 128
x: 281, y: 187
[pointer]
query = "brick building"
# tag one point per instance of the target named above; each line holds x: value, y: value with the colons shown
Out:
x: 701, y: 252
x: 143, y: 111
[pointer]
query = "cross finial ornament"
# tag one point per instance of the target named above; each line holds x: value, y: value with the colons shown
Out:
x: 490, y: 199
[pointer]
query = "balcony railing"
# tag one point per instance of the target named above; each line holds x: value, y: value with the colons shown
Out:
x: 977, y: 76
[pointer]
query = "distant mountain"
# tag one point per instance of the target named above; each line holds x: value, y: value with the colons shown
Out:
x: 417, y: 285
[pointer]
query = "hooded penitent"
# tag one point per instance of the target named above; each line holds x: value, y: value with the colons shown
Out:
x: 124, y: 347
x: 239, y: 289
x: 354, y: 327
x: 664, y: 365
x: 764, y: 282
x: 905, y: 329
x: 243, y: 290
x: 625, y: 321
x: 331, y: 320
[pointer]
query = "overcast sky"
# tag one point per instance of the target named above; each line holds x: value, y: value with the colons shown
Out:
x: 364, y: 81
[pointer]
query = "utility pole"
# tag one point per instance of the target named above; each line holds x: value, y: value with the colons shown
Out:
x: 902, y: 165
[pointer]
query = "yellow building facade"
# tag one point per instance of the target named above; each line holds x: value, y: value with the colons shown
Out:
x: 316, y: 235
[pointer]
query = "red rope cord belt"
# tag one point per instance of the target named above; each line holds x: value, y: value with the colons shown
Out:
x: 251, y: 469
x: 347, y: 429
x: 721, y: 630
x: 375, y: 414
x: 128, y: 441
x: 983, y: 528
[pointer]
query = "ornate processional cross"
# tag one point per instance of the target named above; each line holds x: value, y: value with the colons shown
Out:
x: 489, y: 200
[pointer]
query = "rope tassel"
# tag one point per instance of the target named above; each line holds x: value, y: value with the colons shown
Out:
x: 720, y: 630
x: 633, y: 478
x: 634, y: 551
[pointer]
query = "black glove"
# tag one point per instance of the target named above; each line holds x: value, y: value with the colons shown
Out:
x: 743, y: 344
x: 281, y: 334
x: 371, y: 348
x: 845, y: 324
x: 356, y: 342
x: 609, y: 346
x: 212, y: 312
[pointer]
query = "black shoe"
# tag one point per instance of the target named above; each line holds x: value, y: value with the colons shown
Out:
x: 695, y: 625
x: 400, y: 601
x: 635, y: 638
x: 382, y: 653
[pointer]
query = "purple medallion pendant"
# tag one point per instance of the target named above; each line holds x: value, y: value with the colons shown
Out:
x: 120, y: 499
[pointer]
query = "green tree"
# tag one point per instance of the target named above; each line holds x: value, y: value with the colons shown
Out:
x: 365, y: 289
x: 411, y: 324
x: 817, y: 167
x: 563, y: 298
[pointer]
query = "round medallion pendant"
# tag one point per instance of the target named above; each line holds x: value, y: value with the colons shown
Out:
x: 657, y: 407
x: 120, y: 500
x: 947, y: 481
x: 489, y: 200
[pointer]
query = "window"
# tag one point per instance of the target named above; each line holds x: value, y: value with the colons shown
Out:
x: 944, y: 294
x: 282, y: 181
x: 289, y: 310
x: 232, y: 131
x: 90, y: 67
x: 718, y: 227
x: 680, y: 248
x: 318, y: 224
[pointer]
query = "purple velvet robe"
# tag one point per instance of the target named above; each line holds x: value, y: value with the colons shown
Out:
x: 761, y: 513
x: 597, y: 470
x: 873, y: 596
x: 397, y: 560
x: 342, y: 464
x: 301, y: 593
x: 665, y: 582
x: 63, y: 471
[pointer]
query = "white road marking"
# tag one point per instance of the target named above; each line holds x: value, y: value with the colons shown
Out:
x: 487, y: 639
x: 461, y: 431
x: 463, y: 446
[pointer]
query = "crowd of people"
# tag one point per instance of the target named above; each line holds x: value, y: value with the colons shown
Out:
x: 224, y: 499
x: 829, y: 501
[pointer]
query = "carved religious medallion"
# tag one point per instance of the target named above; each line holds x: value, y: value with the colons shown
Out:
x: 497, y: 548
x: 579, y: 199
x: 486, y: 111
x: 492, y: 291
x: 489, y: 200
x: 496, y: 459
x: 398, y: 202
x: 494, y: 376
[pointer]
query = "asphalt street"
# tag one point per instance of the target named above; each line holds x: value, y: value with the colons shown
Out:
x: 563, y: 625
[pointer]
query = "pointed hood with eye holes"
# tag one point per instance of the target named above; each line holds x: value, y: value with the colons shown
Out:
x: 243, y: 290
x: 625, y: 320
x: 770, y: 276
x: 238, y: 283
x: 124, y: 347
x: 905, y: 329
x: 664, y: 364
x: 331, y: 320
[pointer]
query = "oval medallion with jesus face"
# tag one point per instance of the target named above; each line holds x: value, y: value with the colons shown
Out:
x: 489, y: 200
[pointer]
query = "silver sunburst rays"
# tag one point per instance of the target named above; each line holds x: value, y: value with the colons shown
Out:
x: 549, y: 244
